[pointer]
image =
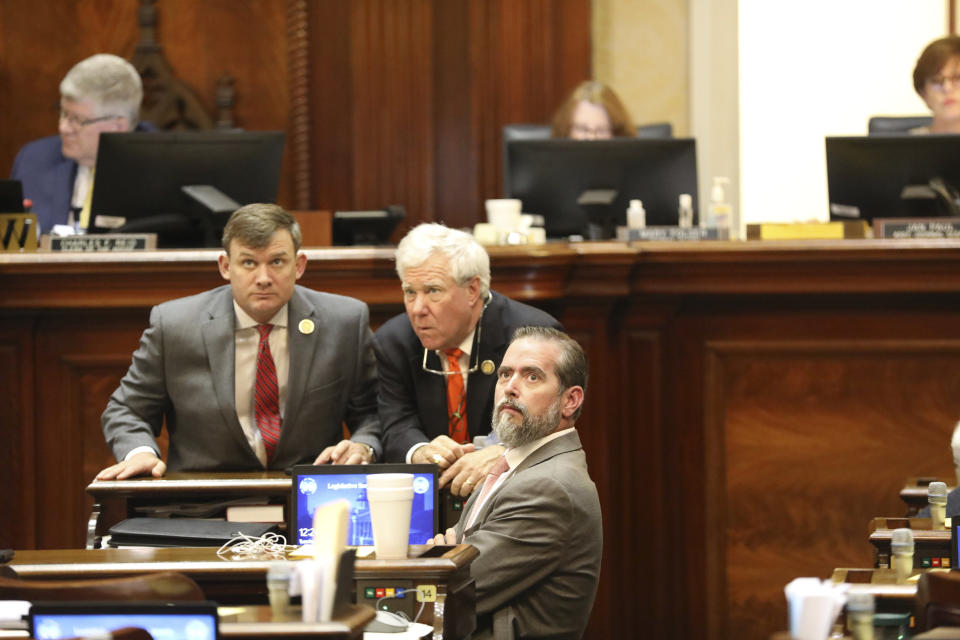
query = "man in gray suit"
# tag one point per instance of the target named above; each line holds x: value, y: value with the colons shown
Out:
x: 537, y: 519
x: 260, y: 373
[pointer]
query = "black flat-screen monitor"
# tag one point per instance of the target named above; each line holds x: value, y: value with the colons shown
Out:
x: 549, y: 176
x: 868, y: 177
x: 139, y: 180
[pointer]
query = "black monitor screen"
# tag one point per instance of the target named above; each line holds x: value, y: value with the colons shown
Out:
x: 549, y: 176
x: 866, y: 176
x: 139, y: 178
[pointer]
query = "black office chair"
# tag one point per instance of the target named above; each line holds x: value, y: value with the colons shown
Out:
x: 896, y: 125
x: 527, y: 131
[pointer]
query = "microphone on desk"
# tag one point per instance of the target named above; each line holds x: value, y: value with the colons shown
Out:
x: 860, y: 609
x: 937, y: 498
x: 901, y: 545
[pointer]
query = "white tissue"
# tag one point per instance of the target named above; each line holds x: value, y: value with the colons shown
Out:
x: 814, y: 606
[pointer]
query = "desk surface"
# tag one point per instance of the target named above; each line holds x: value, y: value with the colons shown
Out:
x: 200, y: 562
x: 184, y: 484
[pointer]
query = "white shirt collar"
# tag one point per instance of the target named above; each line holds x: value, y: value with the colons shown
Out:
x: 244, y: 321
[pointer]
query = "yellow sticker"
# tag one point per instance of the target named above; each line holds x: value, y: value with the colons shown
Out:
x: 306, y: 326
x: 426, y: 593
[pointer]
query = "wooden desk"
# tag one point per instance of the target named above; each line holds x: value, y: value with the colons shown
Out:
x: 825, y: 372
x: 931, y: 548
x: 915, y: 490
x: 244, y: 581
x: 257, y: 622
x: 114, y: 500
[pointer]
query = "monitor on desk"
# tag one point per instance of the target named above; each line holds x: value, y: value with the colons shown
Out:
x: 193, y: 620
x: 314, y: 485
x: 140, y: 179
x: 550, y: 176
x: 893, y: 176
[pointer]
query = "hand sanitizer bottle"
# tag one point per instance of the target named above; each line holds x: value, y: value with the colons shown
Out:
x: 636, y: 216
x: 720, y: 213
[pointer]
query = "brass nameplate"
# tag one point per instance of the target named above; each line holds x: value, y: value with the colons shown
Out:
x: 101, y: 242
x: 18, y: 232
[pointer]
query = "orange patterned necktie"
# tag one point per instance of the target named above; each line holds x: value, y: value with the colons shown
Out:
x: 266, y: 395
x: 456, y: 397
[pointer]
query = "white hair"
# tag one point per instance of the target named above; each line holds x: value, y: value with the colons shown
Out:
x: 108, y: 81
x: 466, y: 257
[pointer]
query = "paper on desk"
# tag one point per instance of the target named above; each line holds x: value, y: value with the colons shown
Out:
x: 413, y: 632
x: 12, y: 613
x: 814, y: 604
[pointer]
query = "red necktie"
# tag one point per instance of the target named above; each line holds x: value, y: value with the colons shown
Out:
x: 456, y: 397
x: 266, y: 395
x: 495, y: 472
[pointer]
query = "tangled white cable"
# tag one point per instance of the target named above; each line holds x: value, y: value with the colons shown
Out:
x: 244, y: 547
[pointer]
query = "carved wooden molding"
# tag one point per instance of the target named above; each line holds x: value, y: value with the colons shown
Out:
x: 298, y: 39
x: 169, y: 103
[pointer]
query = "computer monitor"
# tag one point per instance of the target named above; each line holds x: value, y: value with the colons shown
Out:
x: 314, y: 485
x: 140, y: 176
x: 892, y: 176
x: 550, y: 176
x: 193, y: 620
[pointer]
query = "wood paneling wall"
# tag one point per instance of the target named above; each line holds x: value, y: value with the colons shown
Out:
x: 384, y: 101
x: 751, y: 406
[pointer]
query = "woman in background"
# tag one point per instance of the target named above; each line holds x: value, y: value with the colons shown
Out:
x: 592, y: 112
x: 937, y: 79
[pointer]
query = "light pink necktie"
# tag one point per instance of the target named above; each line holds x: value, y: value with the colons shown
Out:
x: 491, y: 480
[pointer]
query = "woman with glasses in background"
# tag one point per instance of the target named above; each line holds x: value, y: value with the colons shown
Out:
x: 937, y: 79
x: 592, y: 112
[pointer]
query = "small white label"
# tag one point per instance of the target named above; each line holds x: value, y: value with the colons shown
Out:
x: 109, y: 222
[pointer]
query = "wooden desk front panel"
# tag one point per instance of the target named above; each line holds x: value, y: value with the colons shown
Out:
x: 751, y: 407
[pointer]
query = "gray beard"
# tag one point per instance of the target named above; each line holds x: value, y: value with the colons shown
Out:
x: 530, y: 428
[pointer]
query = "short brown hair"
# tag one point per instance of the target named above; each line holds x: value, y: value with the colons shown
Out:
x: 254, y: 224
x: 934, y: 57
x: 621, y: 125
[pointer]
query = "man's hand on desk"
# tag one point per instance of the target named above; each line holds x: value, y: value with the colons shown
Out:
x: 449, y: 538
x: 141, y: 464
x: 469, y: 472
x: 345, y: 452
x: 442, y: 451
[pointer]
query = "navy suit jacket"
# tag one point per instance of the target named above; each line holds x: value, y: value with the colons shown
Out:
x: 48, y: 177
x: 413, y: 403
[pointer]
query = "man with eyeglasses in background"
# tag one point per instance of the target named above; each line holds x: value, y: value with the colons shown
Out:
x: 99, y: 94
x: 437, y: 362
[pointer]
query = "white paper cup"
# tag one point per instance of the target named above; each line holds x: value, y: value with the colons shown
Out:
x: 504, y: 213
x: 391, y: 499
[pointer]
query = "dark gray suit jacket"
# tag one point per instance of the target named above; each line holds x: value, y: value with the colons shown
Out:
x: 540, y: 538
x: 413, y: 403
x: 183, y: 371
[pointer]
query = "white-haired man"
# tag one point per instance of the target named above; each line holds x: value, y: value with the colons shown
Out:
x: 98, y: 95
x: 537, y: 521
x: 437, y: 362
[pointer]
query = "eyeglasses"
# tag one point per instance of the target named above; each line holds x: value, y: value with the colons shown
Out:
x: 593, y: 132
x: 939, y: 82
x: 475, y: 357
x: 74, y: 121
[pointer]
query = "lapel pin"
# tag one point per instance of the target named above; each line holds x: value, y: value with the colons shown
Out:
x: 306, y: 326
x: 487, y: 367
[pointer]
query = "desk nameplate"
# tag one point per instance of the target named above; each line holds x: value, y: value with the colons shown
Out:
x: 100, y: 242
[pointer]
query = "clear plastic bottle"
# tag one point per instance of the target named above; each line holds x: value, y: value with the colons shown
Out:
x: 685, y: 211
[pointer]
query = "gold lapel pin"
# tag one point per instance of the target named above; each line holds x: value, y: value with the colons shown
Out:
x: 487, y: 367
x: 306, y: 326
